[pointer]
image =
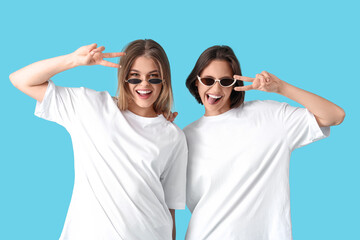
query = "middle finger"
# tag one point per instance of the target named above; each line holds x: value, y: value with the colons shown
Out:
x: 112, y: 55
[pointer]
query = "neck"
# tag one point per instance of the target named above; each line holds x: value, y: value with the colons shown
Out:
x: 141, y: 111
x: 216, y: 112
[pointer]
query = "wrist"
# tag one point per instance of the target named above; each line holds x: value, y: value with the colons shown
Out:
x: 70, y: 61
x: 283, y: 86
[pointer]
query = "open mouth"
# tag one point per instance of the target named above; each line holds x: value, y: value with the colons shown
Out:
x: 144, y: 94
x: 213, y: 99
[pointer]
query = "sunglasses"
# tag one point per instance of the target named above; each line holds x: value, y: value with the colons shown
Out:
x: 224, y: 82
x: 137, y: 81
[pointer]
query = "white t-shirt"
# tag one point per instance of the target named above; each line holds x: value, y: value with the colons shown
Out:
x: 129, y: 170
x: 238, y: 170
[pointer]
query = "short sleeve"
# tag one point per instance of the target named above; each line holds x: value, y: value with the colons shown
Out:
x: 59, y: 104
x: 301, y: 127
x: 173, y: 178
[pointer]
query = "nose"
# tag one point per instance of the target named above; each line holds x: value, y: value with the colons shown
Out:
x: 144, y: 82
x: 216, y: 86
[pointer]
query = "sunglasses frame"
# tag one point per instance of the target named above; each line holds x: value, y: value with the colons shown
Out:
x: 127, y: 80
x: 215, y: 80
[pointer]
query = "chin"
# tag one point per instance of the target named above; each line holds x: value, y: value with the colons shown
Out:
x: 144, y: 104
x: 213, y: 108
x: 219, y: 108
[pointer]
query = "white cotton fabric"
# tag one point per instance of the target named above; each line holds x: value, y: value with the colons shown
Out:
x: 129, y: 170
x: 238, y: 170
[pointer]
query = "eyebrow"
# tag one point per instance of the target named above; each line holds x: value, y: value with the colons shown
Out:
x: 134, y: 70
x: 209, y: 76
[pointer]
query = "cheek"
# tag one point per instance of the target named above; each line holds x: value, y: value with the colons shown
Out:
x: 228, y: 93
x: 131, y: 89
x: 201, y: 91
x: 157, y: 90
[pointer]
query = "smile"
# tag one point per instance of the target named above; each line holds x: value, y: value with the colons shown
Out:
x: 144, y: 94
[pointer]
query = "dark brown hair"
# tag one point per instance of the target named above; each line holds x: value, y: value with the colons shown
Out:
x: 216, y: 53
x: 148, y: 48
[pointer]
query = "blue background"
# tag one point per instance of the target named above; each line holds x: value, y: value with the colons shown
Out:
x: 311, y: 44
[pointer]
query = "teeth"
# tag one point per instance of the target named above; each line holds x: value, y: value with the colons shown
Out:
x: 143, y: 92
x: 214, y: 96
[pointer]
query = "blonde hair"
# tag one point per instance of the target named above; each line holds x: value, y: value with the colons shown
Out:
x: 148, y: 48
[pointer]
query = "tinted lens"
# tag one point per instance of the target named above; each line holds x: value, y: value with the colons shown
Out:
x: 207, y: 81
x: 226, y: 82
x: 134, y: 81
x: 155, y: 80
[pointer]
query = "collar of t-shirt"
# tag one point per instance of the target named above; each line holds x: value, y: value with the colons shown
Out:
x: 136, y: 117
x: 218, y: 117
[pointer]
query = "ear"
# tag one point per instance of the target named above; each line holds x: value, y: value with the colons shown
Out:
x: 196, y: 83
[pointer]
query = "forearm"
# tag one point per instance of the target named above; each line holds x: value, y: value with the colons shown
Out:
x: 326, y: 112
x: 39, y: 72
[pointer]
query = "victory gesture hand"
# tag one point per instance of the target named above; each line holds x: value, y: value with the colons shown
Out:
x: 264, y: 81
x: 91, y: 55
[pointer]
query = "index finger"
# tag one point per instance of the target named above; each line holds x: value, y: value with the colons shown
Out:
x: 112, y: 55
x: 243, y: 78
x: 244, y: 88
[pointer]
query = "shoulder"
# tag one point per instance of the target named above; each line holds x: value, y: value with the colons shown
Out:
x: 91, y: 93
x: 78, y: 92
x: 192, y: 126
x: 178, y: 134
x: 95, y: 97
x: 263, y: 104
x: 272, y: 110
x: 93, y: 101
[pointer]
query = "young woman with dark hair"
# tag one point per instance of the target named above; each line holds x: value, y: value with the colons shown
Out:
x: 239, y: 152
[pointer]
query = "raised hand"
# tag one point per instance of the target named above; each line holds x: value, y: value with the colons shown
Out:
x: 93, y: 55
x: 264, y: 81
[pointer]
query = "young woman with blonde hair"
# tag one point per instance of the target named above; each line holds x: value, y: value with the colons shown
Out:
x: 130, y: 161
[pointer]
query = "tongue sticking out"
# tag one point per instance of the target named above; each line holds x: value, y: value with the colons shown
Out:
x: 212, y: 100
